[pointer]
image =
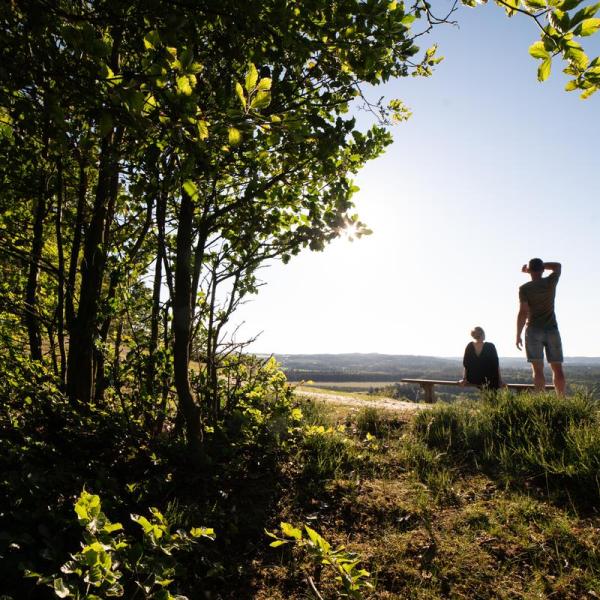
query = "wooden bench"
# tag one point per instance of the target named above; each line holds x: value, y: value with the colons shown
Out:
x: 427, y: 386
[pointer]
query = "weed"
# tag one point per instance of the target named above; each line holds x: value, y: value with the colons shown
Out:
x: 351, y: 580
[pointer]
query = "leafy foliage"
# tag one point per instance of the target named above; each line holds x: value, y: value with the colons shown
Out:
x: 562, y: 23
x: 108, y: 558
x: 351, y: 579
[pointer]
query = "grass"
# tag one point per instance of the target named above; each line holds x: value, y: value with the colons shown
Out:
x: 488, y: 499
x: 522, y: 437
x: 341, y: 390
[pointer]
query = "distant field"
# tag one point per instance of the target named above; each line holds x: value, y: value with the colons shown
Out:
x: 345, y: 386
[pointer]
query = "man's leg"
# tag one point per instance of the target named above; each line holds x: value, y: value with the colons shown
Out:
x: 539, y: 381
x: 554, y: 353
x: 558, y: 377
x: 534, y: 348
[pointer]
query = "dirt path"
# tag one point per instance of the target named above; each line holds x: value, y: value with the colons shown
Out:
x: 383, y: 403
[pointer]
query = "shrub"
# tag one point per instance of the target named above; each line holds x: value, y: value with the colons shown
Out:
x: 111, y: 563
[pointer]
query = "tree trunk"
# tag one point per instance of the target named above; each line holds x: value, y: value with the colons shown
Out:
x: 76, y: 245
x: 182, y: 318
x: 155, y: 316
x: 60, y: 297
x: 31, y: 310
x: 80, y: 375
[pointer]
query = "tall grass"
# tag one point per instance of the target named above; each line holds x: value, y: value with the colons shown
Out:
x: 526, y: 435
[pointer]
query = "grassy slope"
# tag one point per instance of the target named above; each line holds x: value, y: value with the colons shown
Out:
x: 430, y: 523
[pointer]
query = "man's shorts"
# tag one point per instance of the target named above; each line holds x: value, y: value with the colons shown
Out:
x: 538, y: 339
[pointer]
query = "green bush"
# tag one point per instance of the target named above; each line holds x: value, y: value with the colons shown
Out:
x: 111, y: 563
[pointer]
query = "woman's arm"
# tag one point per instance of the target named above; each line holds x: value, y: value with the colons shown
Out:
x: 464, y: 381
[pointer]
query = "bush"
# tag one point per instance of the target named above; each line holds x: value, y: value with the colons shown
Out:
x: 111, y: 563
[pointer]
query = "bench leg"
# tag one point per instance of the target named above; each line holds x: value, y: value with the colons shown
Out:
x: 428, y: 392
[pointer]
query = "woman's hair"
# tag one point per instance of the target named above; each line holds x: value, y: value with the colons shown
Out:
x: 477, y: 333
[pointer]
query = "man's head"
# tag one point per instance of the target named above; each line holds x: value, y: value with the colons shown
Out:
x: 536, y: 267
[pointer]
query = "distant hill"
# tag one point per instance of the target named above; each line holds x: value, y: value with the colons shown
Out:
x: 373, y: 362
x: 392, y: 367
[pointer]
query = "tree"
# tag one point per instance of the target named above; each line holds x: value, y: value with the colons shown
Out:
x: 187, y: 146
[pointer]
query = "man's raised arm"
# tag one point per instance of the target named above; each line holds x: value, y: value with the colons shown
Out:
x: 555, y: 267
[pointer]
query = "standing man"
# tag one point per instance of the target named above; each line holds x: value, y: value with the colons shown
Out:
x: 536, y: 299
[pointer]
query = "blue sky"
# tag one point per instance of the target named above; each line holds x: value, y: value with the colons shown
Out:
x: 492, y: 169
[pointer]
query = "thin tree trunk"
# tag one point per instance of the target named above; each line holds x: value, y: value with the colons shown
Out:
x: 80, y: 375
x: 76, y: 245
x: 60, y: 304
x: 182, y: 316
x: 211, y: 365
x: 100, y: 377
x: 162, y: 409
x: 31, y: 308
x: 155, y: 316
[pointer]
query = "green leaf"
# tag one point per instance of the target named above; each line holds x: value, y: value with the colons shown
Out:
x: 585, y: 13
x: 537, y: 50
x: 544, y: 69
x: 510, y: 6
x: 278, y: 543
x: 588, y: 27
x: 184, y: 84
x: 239, y: 90
x: 251, y: 78
x: 535, y: 4
x: 202, y: 130
x: 151, y: 40
x: 560, y: 20
x: 260, y: 100
x: 569, y: 4
x: 587, y: 93
x: 60, y: 589
x: 318, y: 540
x: 186, y: 58
x: 235, y: 136
x: 578, y: 57
x: 264, y: 85
x: 291, y: 531
x: 203, y: 532
x: 571, y: 85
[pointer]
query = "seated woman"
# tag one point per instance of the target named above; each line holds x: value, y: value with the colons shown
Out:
x: 481, y: 363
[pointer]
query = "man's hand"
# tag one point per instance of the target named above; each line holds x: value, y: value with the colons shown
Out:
x: 519, y: 342
x: 524, y: 269
x: 462, y: 382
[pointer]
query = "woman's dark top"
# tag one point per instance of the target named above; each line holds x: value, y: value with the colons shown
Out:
x: 482, y: 370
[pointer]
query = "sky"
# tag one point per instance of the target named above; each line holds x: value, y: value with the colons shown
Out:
x: 492, y: 169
